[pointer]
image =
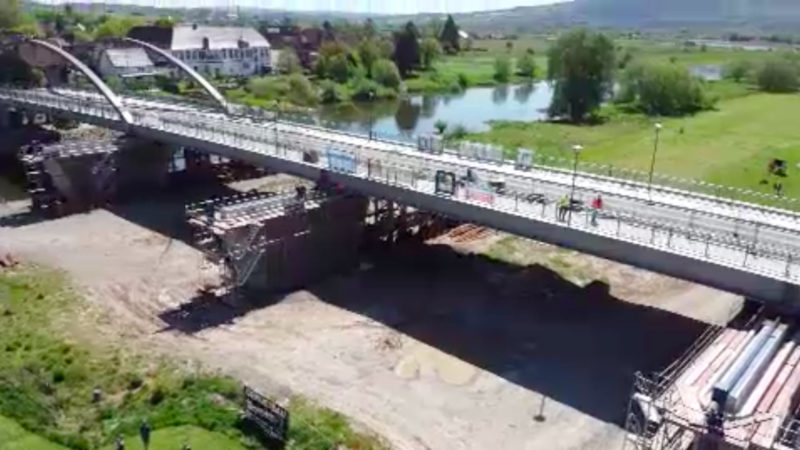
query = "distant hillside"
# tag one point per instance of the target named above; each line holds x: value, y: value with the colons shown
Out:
x: 767, y: 14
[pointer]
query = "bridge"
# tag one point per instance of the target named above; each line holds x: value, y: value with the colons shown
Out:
x: 739, y: 247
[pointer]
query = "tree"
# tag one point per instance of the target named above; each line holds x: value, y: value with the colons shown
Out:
x: 449, y: 37
x: 115, y: 27
x: 10, y: 14
x: 164, y: 22
x: 368, y: 52
x: 581, y: 64
x: 737, y: 70
x: 288, y: 61
x: 406, y: 49
x: 333, y: 61
x: 429, y: 51
x: 663, y: 90
x: 778, y: 75
x: 339, y: 68
x: 385, y: 72
x: 502, y: 69
x: 509, y: 46
x: 526, y: 66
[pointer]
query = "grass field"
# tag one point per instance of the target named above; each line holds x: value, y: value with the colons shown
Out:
x: 731, y: 145
x: 47, y: 379
x: 14, y: 437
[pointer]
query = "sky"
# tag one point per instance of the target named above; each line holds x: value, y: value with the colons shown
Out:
x: 360, y: 6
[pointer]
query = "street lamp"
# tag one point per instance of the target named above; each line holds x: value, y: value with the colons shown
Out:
x: 653, y: 162
x: 576, y: 150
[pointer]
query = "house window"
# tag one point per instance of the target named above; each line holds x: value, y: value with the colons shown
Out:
x: 194, y: 54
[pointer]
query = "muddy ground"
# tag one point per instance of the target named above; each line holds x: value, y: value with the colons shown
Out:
x: 426, y: 344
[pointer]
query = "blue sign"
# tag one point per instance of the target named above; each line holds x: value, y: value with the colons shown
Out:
x: 340, y: 160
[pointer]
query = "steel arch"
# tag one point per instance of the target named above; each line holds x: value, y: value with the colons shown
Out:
x: 208, y: 87
x: 101, y: 86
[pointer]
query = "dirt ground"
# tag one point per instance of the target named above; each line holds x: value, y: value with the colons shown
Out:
x: 429, y: 346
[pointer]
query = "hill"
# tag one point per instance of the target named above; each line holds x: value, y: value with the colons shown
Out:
x: 763, y: 14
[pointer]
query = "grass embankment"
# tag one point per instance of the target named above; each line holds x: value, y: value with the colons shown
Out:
x: 48, y: 375
x: 730, y: 145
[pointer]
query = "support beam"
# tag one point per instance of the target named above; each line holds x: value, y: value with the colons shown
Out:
x: 112, y: 98
x: 210, y: 89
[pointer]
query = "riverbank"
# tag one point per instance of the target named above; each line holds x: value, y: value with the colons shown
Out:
x: 56, y: 358
x: 731, y: 145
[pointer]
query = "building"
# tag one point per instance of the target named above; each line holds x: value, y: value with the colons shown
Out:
x: 126, y: 63
x: 212, y: 51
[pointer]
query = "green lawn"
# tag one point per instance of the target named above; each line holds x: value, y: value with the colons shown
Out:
x: 731, y: 145
x: 174, y: 439
x: 14, y: 437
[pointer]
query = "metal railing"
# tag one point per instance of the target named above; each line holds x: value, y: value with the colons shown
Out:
x: 400, y: 164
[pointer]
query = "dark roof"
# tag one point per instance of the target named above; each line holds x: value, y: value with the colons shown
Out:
x: 158, y: 36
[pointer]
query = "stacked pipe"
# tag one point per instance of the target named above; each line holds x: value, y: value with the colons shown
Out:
x: 738, y: 381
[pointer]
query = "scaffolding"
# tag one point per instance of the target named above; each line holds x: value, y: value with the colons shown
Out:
x: 233, y: 232
x: 49, y: 187
x: 673, y: 409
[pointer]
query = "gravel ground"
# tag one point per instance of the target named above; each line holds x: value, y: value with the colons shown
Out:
x: 427, y: 345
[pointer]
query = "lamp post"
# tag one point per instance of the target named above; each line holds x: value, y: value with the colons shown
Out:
x: 576, y: 150
x: 653, y: 163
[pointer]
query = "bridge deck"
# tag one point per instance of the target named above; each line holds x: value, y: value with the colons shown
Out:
x: 744, y: 248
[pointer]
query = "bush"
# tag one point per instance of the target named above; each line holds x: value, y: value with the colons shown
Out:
x: 527, y: 66
x: 737, y: 70
x: 329, y: 92
x: 502, y: 69
x: 440, y: 126
x: 463, y: 80
x: 288, y: 62
x: 429, y: 51
x: 778, y: 75
x: 663, y: 89
x: 365, y: 89
x: 457, y: 132
x: 301, y: 91
x: 385, y: 72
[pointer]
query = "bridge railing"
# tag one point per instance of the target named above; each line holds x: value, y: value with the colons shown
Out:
x: 757, y: 256
x: 760, y: 257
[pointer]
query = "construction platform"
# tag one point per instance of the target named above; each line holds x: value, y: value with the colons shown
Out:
x: 736, y: 388
x: 273, y: 241
x: 70, y: 176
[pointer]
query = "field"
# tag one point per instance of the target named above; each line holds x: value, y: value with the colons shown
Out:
x: 731, y: 145
x: 14, y: 437
x: 53, y: 360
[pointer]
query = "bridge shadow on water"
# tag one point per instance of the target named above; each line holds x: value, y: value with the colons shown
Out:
x: 577, y: 345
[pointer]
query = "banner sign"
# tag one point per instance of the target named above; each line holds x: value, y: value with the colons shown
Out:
x: 479, y: 195
x: 482, y: 152
x: 430, y: 144
x: 524, y: 159
x: 340, y: 160
x: 271, y: 418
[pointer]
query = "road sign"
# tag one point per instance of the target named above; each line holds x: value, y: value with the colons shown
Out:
x: 445, y: 182
x: 340, y: 160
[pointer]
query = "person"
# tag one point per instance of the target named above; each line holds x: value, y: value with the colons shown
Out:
x: 144, y: 433
x: 597, y: 205
x: 563, y: 206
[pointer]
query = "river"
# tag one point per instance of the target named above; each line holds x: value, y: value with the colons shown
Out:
x: 417, y: 114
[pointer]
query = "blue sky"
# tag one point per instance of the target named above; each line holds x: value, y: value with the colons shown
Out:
x: 363, y: 6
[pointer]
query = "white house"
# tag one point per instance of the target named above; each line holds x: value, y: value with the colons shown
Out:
x: 213, y: 51
x: 126, y: 63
